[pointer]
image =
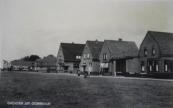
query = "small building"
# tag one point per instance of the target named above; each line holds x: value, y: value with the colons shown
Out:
x: 21, y: 65
x: 90, y: 58
x: 156, y: 53
x: 46, y: 63
x: 118, y: 57
x: 69, y: 57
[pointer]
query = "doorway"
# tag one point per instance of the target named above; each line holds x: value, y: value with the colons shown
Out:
x: 121, y: 66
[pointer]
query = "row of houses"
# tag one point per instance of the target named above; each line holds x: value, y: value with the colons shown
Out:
x: 119, y: 57
x: 43, y: 64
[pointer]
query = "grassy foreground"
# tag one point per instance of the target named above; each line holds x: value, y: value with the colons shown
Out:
x: 70, y: 91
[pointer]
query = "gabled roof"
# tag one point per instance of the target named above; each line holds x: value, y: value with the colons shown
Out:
x: 48, y: 58
x: 95, y: 48
x: 164, y: 41
x: 21, y: 63
x: 122, y: 49
x: 70, y: 50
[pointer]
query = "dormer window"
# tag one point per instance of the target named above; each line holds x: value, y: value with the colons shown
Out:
x: 153, y: 50
x: 145, y: 51
x: 78, y: 57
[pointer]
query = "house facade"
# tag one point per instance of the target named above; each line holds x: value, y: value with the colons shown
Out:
x: 156, y: 53
x: 90, y: 58
x: 118, y: 57
x: 69, y: 57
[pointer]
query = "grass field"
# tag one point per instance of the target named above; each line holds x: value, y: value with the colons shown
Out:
x: 70, y: 91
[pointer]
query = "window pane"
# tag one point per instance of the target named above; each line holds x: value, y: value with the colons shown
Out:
x: 150, y: 68
x: 166, y: 67
x: 143, y: 69
x: 157, y: 67
x: 84, y: 56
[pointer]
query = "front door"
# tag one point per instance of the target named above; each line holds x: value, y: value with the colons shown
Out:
x: 121, y: 66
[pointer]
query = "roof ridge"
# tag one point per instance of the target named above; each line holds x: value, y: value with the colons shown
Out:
x: 73, y: 43
x: 120, y: 41
x: 160, y: 32
x: 93, y: 41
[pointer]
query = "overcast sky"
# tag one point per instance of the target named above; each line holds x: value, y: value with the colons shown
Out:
x: 39, y: 26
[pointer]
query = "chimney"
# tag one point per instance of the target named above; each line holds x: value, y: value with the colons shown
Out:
x: 120, y: 39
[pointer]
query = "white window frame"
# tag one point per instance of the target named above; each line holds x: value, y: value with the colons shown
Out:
x: 105, y: 56
x: 84, y: 56
x: 88, y: 56
x: 166, y: 67
x: 143, y: 66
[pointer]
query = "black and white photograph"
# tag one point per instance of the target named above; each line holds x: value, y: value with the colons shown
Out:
x: 86, y: 54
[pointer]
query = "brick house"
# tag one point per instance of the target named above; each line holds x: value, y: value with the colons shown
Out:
x: 69, y: 57
x: 90, y: 57
x: 118, y: 56
x: 48, y: 62
x: 156, y: 53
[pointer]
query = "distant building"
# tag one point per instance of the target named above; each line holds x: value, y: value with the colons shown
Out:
x: 156, y: 53
x: 90, y: 58
x: 118, y: 57
x: 69, y: 57
x: 48, y: 62
x: 20, y: 64
x: 6, y: 65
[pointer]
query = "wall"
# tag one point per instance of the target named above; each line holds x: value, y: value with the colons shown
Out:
x: 132, y: 65
x: 60, y: 58
x: 147, y: 42
x: 104, y: 50
x: 70, y: 64
x: 86, y: 60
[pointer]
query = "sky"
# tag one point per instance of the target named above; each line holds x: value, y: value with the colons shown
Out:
x: 37, y: 27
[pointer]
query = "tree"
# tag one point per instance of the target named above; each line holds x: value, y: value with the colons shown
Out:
x: 34, y: 57
x: 26, y: 58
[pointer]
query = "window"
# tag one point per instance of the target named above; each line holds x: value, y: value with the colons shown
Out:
x: 78, y: 57
x: 157, y: 68
x: 84, y: 56
x: 153, y: 50
x: 105, y: 56
x: 145, y: 51
x: 90, y: 64
x: 75, y: 65
x: 166, y: 66
x: 88, y: 56
x: 153, y: 66
x: 142, y: 66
